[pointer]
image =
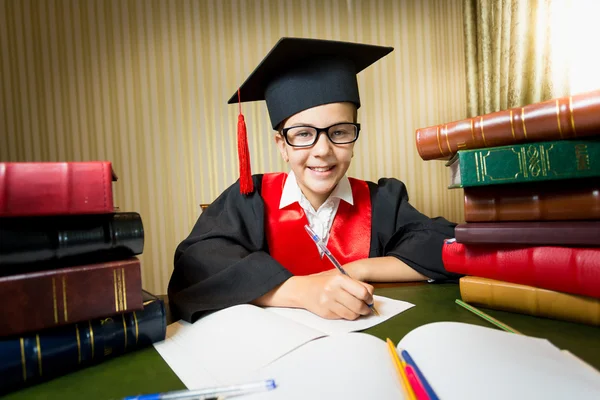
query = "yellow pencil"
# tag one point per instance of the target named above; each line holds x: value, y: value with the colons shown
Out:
x: 408, y: 392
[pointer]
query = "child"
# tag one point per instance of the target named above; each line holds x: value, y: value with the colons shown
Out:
x: 251, y: 247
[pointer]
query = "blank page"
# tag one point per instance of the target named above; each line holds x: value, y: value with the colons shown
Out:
x: 353, y: 366
x: 463, y: 361
x: 229, y: 343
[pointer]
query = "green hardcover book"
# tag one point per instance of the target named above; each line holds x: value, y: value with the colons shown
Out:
x: 530, y: 162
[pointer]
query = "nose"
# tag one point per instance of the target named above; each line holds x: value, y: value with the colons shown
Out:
x: 323, y: 145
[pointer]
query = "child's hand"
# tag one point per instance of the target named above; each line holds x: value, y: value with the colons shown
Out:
x: 334, y: 296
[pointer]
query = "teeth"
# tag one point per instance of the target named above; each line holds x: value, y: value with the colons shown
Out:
x: 320, y: 169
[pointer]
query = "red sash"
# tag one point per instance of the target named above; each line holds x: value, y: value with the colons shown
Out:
x: 290, y: 245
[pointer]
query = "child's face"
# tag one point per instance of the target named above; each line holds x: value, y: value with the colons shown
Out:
x: 319, y: 168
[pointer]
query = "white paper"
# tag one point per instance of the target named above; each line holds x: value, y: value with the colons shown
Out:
x: 229, y: 343
x: 463, y: 361
x: 386, y: 307
x: 225, y: 346
x: 353, y: 366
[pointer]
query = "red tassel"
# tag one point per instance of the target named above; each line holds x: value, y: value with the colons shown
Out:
x: 246, y: 183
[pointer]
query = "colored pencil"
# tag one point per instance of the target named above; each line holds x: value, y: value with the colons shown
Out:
x: 410, y: 361
x: 408, y: 392
x: 488, y: 318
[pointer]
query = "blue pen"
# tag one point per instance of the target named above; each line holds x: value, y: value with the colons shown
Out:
x: 333, y: 260
x: 426, y: 385
x: 210, y: 393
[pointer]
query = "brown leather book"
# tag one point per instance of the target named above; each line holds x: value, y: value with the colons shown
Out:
x: 561, y: 118
x: 505, y: 296
x: 40, y: 300
x: 577, y: 199
x: 558, y: 233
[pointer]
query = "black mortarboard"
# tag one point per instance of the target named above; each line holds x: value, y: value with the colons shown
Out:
x: 298, y: 74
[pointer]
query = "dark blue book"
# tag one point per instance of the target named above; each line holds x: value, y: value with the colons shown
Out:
x: 43, y: 355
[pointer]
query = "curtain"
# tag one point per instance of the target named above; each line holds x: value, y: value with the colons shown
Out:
x: 515, y: 52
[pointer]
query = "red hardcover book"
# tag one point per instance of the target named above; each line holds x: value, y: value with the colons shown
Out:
x: 564, y: 269
x: 45, y: 299
x: 56, y: 188
x: 562, y: 118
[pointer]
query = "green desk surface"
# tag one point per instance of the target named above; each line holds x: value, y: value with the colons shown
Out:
x: 144, y: 371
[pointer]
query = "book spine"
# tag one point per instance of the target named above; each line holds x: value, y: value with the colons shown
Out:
x: 558, y: 160
x: 43, y: 355
x: 529, y: 300
x: 564, y: 269
x: 558, y: 233
x: 55, y: 188
x: 547, y: 201
x: 87, y: 237
x: 46, y: 299
x: 561, y: 118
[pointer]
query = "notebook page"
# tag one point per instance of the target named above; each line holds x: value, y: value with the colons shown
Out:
x: 227, y: 344
x: 386, y: 307
x: 463, y: 361
x: 352, y: 366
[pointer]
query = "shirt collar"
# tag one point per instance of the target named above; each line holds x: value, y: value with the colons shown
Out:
x: 291, y: 191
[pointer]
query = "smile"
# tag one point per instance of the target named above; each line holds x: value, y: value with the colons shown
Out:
x: 321, y: 169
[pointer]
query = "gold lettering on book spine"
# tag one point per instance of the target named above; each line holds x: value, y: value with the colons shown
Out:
x: 124, y: 289
x: 54, y: 302
x: 136, y: 327
x: 572, y: 116
x: 482, y: 134
x: 438, y: 140
x: 477, y: 166
x: 64, y: 290
x: 523, y: 121
x: 124, y: 332
x: 91, y: 338
x: 512, y: 127
x: 558, y: 119
x: 116, y: 290
x: 23, y: 362
x: 39, y: 353
x: 78, y: 344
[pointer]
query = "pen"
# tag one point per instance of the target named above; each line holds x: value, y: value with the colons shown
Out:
x: 210, y: 393
x: 488, y: 318
x: 410, y: 362
x: 333, y: 260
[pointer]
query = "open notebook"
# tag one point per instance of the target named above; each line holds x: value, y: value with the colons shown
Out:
x: 460, y: 361
x: 227, y: 345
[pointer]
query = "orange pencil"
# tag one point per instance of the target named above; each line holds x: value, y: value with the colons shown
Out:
x: 408, y: 392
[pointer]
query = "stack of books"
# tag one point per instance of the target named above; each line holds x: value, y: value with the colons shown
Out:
x: 70, y: 280
x: 531, y: 180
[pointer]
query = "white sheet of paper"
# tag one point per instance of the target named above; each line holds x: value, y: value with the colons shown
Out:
x: 463, y: 361
x: 225, y: 346
x: 353, y: 366
x: 386, y: 307
x: 230, y: 343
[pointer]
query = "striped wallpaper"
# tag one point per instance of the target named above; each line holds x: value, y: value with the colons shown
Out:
x: 144, y: 84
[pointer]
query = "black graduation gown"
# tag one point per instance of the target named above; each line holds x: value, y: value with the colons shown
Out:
x: 225, y: 259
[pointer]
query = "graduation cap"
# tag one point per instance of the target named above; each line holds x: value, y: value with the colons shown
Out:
x: 298, y: 74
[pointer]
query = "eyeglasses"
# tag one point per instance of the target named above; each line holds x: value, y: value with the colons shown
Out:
x: 307, y: 136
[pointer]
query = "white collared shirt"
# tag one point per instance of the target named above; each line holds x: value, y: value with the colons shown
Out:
x: 320, y: 220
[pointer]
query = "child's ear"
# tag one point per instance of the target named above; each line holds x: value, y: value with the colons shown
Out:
x: 280, y: 142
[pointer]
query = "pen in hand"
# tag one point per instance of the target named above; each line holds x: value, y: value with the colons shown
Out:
x: 331, y: 258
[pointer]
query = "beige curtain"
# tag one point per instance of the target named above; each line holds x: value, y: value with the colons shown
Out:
x: 512, y: 56
x: 145, y: 83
